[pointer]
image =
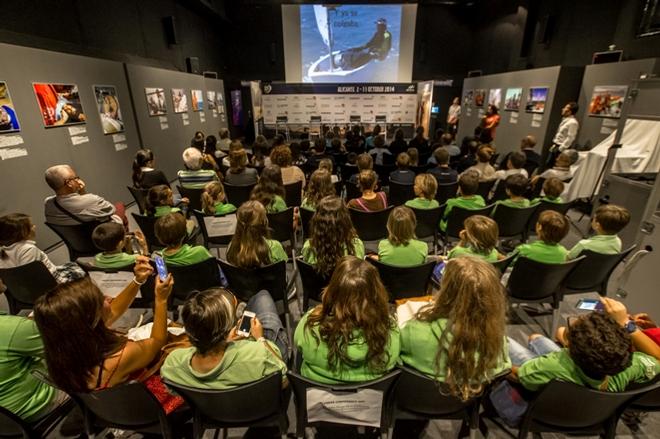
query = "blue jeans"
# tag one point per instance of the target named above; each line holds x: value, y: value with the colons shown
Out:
x: 263, y: 306
x: 536, y: 347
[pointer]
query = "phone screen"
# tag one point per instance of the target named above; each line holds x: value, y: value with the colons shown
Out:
x: 246, y: 324
x: 162, y: 269
x: 590, y: 305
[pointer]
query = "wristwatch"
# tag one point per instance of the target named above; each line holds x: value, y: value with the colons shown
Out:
x: 630, y: 326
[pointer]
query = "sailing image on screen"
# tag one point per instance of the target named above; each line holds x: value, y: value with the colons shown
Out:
x: 350, y: 43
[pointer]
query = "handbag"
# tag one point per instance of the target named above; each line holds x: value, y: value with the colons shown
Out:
x: 508, y: 403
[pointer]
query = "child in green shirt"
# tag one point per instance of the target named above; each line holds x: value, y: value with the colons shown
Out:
x: 516, y: 187
x: 160, y: 201
x: 478, y: 238
x: 111, y: 238
x: 214, y: 200
x: 468, y: 184
x: 319, y: 186
x: 607, y: 222
x: 269, y: 191
x: 171, y: 232
x: 552, y: 189
x: 425, y: 189
x: 401, y: 249
x: 551, y: 228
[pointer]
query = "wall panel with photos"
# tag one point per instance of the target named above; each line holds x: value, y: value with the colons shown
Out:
x: 529, y: 102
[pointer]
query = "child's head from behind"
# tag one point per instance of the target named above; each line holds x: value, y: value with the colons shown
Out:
x: 214, y: 192
x: 441, y: 156
x: 403, y: 161
x: 209, y: 317
x: 413, y: 153
x: 170, y: 229
x: 365, y: 162
x: 553, y: 187
x: 517, y: 160
x: 367, y: 180
x: 468, y: 183
x: 516, y: 185
x: 319, y: 186
x: 599, y: 345
x: 425, y: 186
x: 484, y: 153
x: 15, y: 227
x: 108, y: 236
x: 552, y: 227
x: 401, y: 225
x: 160, y: 195
x: 248, y: 247
x: 610, y: 219
x: 480, y: 233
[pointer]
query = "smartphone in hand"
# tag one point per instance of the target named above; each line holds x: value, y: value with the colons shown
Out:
x: 246, y: 324
x: 161, y: 268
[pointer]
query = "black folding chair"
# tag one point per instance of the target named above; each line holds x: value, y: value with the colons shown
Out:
x: 210, y: 241
x: 649, y: 401
x: 238, y: 195
x: 535, y: 282
x: 25, y: 284
x: 130, y: 407
x: 12, y: 426
x: 512, y: 221
x: 537, y: 187
x: 77, y: 238
x: 457, y: 217
x: 140, y: 197
x: 305, y: 218
x: 499, y: 193
x: 542, y: 207
x: 370, y: 226
x: 445, y: 192
x: 300, y: 385
x: 261, y: 403
x: 383, y: 171
x: 194, y: 197
x: 405, y: 282
x: 312, y: 282
x: 400, y: 193
x: 352, y: 191
x: 293, y: 194
x: 428, y: 221
x: 484, y: 188
x: 502, y: 264
x: 196, y: 277
x: 420, y: 169
x: 281, y: 226
x: 147, y: 223
x: 593, y: 273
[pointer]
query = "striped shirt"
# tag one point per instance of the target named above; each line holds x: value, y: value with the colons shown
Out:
x: 196, y: 179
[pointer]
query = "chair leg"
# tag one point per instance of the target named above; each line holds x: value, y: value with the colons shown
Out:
x: 555, y: 321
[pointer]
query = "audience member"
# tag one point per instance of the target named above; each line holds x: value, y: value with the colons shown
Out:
x: 442, y: 172
x: 251, y: 246
x: 562, y: 169
x: 397, y: 146
x: 351, y: 336
x: 365, y: 162
x: 380, y: 150
x: 401, y: 249
x: 446, y: 143
x: 318, y: 155
x: 269, y: 191
x: 210, y: 153
x: 281, y: 156
x: 171, y: 231
x: 403, y: 174
x: 298, y: 152
x: 468, y: 184
x: 469, y: 158
x: 607, y: 222
x: 370, y: 201
x: 413, y: 153
x: 320, y: 186
x: 425, y: 189
x: 235, y: 145
x: 370, y: 140
x: 516, y: 188
x: 419, y: 141
x: 483, y: 166
x: 160, y: 201
x: 532, y: 158
x: 552, y: 190
x: 514, y: 165
x: 479, y: 239
x: 331, y: 220
x: 643, y: 331
x: 144, y: 174
x: 239, y: 174
x: 194, y: 177
x: 214, y: 200
x: 260, y: 155
x: 551, y: 228
x: 197, y: 141
x: 326, y: 164
x: 224, y: 141
x: 111, y: 239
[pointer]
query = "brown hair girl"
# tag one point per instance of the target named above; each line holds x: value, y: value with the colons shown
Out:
x: 480, y: 233
x: 248, y: 247
x: 319, y: 186
x: 401, y: 225
x: 270, y: 185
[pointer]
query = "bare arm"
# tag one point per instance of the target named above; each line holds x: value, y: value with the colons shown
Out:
x: 641, y: 341
x: 121, y: 303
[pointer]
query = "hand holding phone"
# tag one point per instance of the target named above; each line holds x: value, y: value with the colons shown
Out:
x: 246, y: 324
x: 590, y: 305
x: 161, y: 267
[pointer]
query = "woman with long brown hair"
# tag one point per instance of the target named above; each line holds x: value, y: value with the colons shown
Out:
x: 331, y: 237
x: 351, y: 336
x: 251, y: 246
x: 460, y: 338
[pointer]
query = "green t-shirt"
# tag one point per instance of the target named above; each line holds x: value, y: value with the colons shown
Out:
x: 542, y: 252
x: 224, y: 208
x: 114, y: 260
x: 315, y: 356
x: 419, y: 348
x: 539, y: 371
x: 556, y: 200
x: 603, y: 244
x: 187, y: 255
x: 275, y: 250
x: 21, y: 352
x: 307, y: 205
x: 458, y: 251
x: 243, y: 362
x: 277, y: 205
x: 165, y: 210
x: 472, y: 202
x: 516, y: 204
x: 422, y: 203
x: 414, y: 253
x: 309, y: 255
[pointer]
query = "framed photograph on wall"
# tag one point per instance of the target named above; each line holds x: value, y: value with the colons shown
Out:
x: 155, y: 101
x: 107, y: 104
x: 210, y: 100
x: 495, y: 97
x: 179, y: 100
x: 479, y: 97
x: 220, y: 102
x: 59, y: 104
x: 8, y: 119
x: 607, y: 101
x: 197, y: 100
x: 513, y: 99
x: 468, y: 98
x: 536, y: 99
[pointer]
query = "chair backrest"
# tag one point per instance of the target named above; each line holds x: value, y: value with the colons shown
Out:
x: 12, y: 426
x: 649, y: 400
x: 546, y: 205
x: 500, y: 192
x: 352, y: 191
x: 383, y: 172
x: 244, y: 405
x: 535, y: 281
x: 128, y: 406
x: 195, y: 277
x: 293, y: 194
x: 535, y: 191
x: 512, y: 221
x: 427, y: 221
x: 194, y: 197
x: 503, y: 264
x: 77, y: 238
x: 246, y: 282
x: 140, y: 197
x: 312, y: 282
x: 238, y: 195
x: 593, y: 273
x: 485, y: 187
x: 25, y: 284
x: 208, y: 240
x: 147, y: 223
x: 281, y: 225
x: 458, y: 215
x: 400, y: 193
x: 371, y: 226
x: 446, y: 191
x: 420, y: 169
x: 405, y: 282
x: 305, y: 218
